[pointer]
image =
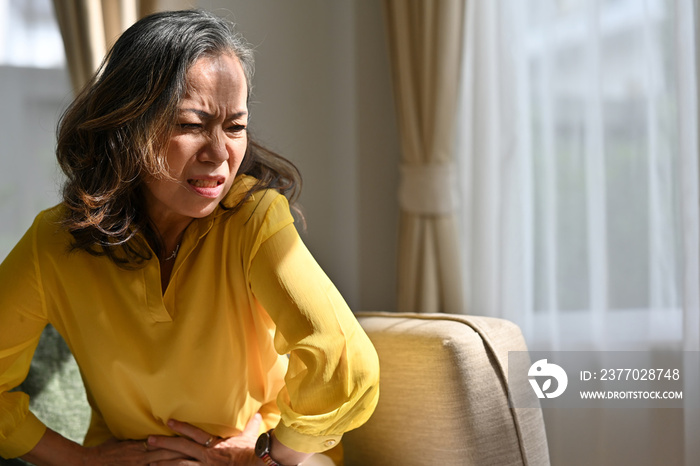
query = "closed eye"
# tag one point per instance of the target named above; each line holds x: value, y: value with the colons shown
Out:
x: 236, y: 128
x: 189, y: 125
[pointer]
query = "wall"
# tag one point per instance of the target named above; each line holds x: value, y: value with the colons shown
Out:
x: 322, y: 97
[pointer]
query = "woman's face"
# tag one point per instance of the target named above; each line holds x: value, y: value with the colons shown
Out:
x: 206, y: 147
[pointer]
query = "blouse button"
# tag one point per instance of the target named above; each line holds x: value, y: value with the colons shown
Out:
x: 329, y: 443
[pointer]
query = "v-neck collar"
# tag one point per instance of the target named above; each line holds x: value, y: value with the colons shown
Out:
x: 161, y: 306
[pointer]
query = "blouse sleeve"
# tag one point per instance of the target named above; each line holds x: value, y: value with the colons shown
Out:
x: 332, y: 384
x: 22, y: 319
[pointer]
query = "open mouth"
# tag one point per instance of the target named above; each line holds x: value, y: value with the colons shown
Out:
x: 205, y: 183
x: 209, y: 188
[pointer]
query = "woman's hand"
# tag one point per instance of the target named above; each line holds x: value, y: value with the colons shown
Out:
x: 55, y: 450
x: 115, y: 452
x: 200, y: 447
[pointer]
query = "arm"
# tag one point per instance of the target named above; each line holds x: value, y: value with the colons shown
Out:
x: 285, y: 455
x: 55, y: 450
x: 332, y: 381
x: 23, y: 316
x: 22, y: 319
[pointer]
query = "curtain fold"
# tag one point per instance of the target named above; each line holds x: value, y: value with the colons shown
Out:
x: 491, y: 188
x: 90, y: 27
x: 425, y: 38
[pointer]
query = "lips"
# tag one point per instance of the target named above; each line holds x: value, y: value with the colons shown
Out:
x: 204, y: 183
x: 207, y: 187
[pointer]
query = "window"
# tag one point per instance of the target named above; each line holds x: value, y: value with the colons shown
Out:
x: 29, y: 35
x: 35, y: 90
x: 570, y: 162
x: 601, y: 111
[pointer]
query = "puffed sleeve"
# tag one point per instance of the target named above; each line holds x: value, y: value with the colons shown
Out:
x: 332, y: 384
x: 22, y: 319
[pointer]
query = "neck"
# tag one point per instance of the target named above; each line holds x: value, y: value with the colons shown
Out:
x: 170, y: 243
x: 170, y: 236
x: 168, y: 229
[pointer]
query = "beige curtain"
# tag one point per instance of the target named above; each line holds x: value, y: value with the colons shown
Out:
x: 425, y: 38
x: 90, y: 27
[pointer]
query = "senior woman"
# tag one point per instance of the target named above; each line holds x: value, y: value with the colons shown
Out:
x: 172, y: 268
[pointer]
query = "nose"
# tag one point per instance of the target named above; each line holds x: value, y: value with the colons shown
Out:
x: 215, y: 150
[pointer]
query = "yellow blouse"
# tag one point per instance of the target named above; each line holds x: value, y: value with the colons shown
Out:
x: 248, y: 323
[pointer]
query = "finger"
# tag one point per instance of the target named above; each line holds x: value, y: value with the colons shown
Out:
x: 188, y: 430
x: 182, y: 445
x: 175, y: 463
x: 152, y: 453
x: 157, y: 456
x: 253, y: 426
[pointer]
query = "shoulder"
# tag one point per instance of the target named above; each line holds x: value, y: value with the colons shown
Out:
x: 263, y: 214
x: 49, y: 223
x: 45, y: 239
x: 48, y: 230
x: 265, y: 208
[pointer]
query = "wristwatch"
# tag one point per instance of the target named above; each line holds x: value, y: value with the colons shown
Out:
x: 263, y: 446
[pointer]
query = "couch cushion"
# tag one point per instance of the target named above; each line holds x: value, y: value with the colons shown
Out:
x: 443, y: 395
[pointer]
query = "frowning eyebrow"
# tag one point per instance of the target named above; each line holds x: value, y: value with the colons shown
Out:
x: 208, y: 116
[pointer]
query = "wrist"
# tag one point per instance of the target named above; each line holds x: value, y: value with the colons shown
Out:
x: 53, y: 449
x: 274, y: 453
x: 263, y: 449
x: 87, y: 456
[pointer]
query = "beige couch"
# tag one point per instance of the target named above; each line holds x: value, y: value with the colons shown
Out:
x: 443, y: 395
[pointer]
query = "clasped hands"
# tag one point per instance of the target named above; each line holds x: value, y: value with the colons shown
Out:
x: 194, y: 447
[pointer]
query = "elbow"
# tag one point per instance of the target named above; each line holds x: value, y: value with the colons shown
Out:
x: 369, y: 378
x: 372, y: 368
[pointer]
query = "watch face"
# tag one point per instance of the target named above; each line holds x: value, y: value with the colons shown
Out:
x: 262, y: 446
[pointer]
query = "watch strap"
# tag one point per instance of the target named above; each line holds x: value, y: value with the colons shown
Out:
x: 263, y: 449
x: 268, y: 460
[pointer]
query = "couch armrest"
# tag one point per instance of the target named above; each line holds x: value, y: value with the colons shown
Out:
x: 443, y: 395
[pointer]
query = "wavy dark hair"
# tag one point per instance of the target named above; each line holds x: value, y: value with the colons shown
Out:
x: 113, y: 134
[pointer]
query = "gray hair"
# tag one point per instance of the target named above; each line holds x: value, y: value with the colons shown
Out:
x: 170, y: 42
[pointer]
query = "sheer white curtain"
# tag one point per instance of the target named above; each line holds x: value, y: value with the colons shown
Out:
x: 578, y: 162
x: 571, y: 170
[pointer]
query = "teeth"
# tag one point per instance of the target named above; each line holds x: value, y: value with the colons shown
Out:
x: 204, y: 183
